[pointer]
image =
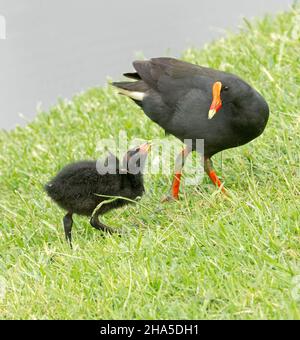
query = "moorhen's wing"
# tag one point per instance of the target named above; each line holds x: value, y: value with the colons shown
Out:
x: 169, y: 89
x: 151, y: 71
x: 172, y: 79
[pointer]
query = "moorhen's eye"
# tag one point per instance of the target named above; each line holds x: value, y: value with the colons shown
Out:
x: 225, y: 88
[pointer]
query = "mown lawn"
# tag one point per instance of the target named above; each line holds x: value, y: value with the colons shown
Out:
x: 203, y: 257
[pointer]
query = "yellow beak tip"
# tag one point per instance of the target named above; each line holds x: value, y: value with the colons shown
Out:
x: 211, y: 114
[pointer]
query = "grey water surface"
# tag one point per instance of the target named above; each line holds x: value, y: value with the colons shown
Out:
x: 60, y: 47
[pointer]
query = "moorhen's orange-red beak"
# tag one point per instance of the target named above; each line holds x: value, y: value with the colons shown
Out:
x: 217, y: 101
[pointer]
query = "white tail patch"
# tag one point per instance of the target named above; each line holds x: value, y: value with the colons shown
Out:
x: 133, y: 94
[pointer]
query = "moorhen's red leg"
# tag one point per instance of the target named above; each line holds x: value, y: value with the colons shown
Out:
x: 179, y: 164
x: 212, y: 175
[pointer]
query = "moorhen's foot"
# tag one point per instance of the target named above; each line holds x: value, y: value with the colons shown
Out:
x: 169, y: 198
x: 225, y: 192
x: 121, y: 232
x: 101, y: 226
x: 106, y: 233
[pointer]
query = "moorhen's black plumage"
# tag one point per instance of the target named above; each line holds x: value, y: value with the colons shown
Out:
x: 75, y: 187
x: 194, y: 102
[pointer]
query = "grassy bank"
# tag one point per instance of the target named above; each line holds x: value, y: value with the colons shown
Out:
x: 203, y: 257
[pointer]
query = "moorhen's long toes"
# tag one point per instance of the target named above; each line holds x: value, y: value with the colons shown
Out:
x: 95, y: 223
x: 193, y: 102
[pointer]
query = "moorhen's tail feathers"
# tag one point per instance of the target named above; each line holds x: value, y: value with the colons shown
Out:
x: 133, y: 89
x: 137, y: 86
x: 159, y: 74
x: 147, y: 72
x: 134, y: 76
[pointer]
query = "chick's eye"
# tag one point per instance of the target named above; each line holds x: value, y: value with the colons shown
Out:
x: 225, y: 88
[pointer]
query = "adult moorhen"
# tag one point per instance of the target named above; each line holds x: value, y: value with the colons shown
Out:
x: 193, y: 102
x: 78, y: 187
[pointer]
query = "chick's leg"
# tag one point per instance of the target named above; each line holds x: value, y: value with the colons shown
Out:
x: 68, y: 223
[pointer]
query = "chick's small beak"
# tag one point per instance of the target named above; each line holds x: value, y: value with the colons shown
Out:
x: 145, y: 148
x: 217, y: 101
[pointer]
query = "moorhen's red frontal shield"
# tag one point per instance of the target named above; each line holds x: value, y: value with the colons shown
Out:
x: 217, y: 101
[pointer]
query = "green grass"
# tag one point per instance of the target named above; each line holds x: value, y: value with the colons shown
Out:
x: 204, y: 257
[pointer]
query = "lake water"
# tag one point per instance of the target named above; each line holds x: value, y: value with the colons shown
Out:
x: 60, y: 47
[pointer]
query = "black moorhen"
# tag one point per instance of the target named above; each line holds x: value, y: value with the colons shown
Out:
x: 194, y: 102
x: 75, y: 187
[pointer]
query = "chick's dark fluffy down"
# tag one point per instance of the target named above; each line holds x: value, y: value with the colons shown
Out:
x: 75, y: 188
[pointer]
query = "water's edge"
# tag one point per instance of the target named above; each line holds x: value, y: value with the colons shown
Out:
x: 59, y: 48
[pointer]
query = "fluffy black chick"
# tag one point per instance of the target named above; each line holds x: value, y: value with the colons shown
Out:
x: 76, y: 188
